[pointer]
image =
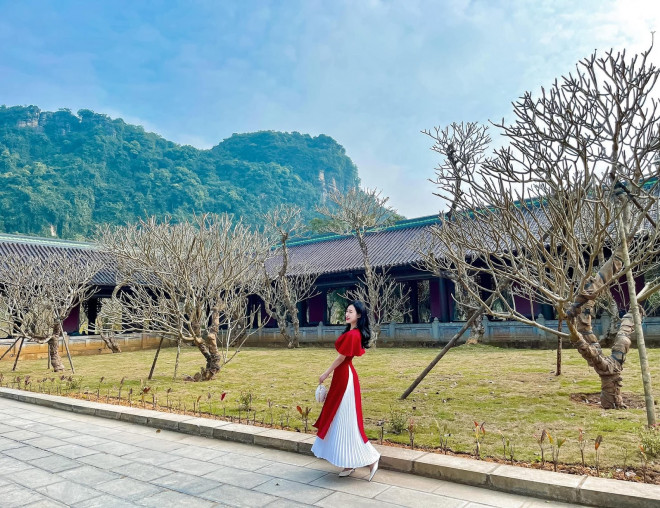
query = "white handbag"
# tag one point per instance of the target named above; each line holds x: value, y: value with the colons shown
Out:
x: 321, y: 394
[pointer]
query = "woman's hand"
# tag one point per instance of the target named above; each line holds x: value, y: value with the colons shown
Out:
x: 323, y: 377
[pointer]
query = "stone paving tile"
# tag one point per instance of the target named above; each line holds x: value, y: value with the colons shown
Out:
x: 172, y: 499
x: 68, y: 492
x: 6, y: 429
x: 106, y: 501
x: 295, y: 459
x: 7, y: 444
x: 408, y: 481
x: 15, y: 495
x: 88, y: 475
x: 127, y: 438
x: 149, y: 457
x: 54, y: 463
x: 236, y: 496
x: 142, y: 472
x: 73, y: 451
x: 159, y: 445
x: 101, y: 431
x: 58, y: 433
x: 415, y: 499
x: 287, y: 503
x: 483, y: 496
x: 198, y: 452
x: 45, y: 503
x: 186, y: 483
x: 293, y: 473
x: 21, y: 435
x: 37, y: 427
x: 86, y: 440
x: 295, y: 491
x: 34, y: 477
x: 44, y: 442
x: 241, y: 461
x: 44, y: 417
x: 19, y: 423
x: 184, y: 465
x: 114, y: 448
x: 128, y: 488
x: 9, y: 465
x: 25, y: 453
x: 247, y: 479
x: 349, y: 485
x: 343, y: 500
x: 73, y: 426
x: 322, y: 465
x: 104, y: 461
x: 227, y: 446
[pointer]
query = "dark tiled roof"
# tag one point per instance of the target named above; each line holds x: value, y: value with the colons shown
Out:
x: 44, y: 247
x: 389, y: 247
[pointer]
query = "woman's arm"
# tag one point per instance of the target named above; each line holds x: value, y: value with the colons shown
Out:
x: 338, y: 361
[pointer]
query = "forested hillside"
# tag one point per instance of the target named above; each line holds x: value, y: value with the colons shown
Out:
x: 67, y: 172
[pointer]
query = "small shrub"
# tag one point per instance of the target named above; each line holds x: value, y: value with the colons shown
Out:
x: 411, y: 432
x: 650, y: 439
x: 444, y: 436
x: 245, y: 401
x: 479, y: 432
x: 540, y: 440
x: 304, y: 415
x: 398, y: 420
x: 583, y: 443
x: 556, y: 445
x: 597, y: 443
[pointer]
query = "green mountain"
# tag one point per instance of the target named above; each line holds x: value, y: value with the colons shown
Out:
x: 65, y: 173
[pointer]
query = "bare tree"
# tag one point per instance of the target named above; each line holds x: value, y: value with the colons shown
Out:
x: 358, y: 213
x: 462, y: 147
x: 284, y: 290
x: 109, y: 323
x: 393, y: 298
x: 190, y: 282
x: 39, y: 294
x: 566, y: 210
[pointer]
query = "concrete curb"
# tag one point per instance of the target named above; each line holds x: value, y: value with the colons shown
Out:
x: 561, y: 487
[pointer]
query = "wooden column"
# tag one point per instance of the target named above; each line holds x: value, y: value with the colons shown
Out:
x: 435, y: 302
x: 414, y: 300
x: 318, y: 308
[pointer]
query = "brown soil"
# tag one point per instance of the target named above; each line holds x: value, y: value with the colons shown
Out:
x: 631, y: 400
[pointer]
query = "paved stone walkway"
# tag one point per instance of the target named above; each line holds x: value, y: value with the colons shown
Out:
x: 56, y: 458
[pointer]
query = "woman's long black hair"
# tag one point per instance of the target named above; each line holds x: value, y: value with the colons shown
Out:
x: 362, y: 323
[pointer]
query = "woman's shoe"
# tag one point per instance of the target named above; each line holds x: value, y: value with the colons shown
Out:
x: 346, y: 472
x: 373, y: 469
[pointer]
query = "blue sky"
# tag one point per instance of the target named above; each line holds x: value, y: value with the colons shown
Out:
x: 369, y: 73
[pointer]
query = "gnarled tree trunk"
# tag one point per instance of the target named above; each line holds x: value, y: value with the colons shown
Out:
x: 53, y: 349
x: 111, y: 343
x: 608, y: 368
x: 208, y: 346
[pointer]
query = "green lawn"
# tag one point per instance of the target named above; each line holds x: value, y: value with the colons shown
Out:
x: 513, y: 391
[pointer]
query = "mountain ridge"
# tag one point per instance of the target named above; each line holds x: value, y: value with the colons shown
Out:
x: 65, y: 173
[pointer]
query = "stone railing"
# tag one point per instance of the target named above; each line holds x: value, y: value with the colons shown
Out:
x: 499, y: 333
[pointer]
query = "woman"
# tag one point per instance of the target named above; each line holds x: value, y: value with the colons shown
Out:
x: 340, y: 438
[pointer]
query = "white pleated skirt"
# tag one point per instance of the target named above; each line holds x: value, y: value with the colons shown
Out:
x: 343, y: 445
